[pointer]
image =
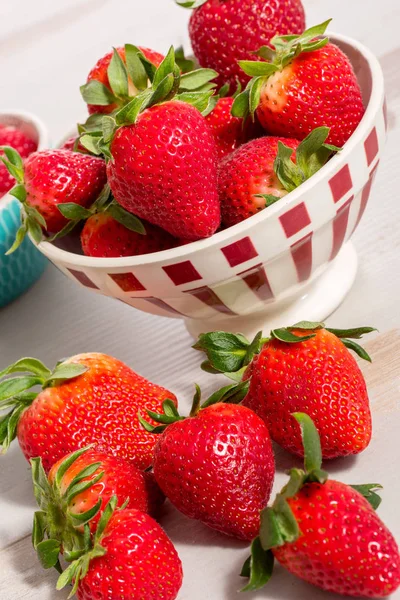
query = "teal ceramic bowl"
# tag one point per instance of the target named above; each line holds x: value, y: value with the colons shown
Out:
x: 21, y: 269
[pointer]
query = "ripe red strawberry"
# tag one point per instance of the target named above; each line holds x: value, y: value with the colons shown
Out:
x: 69, y: 144
x: 103, y: 236
x: 13, y: 137
x: 247, y: 175
x: 129, y: 557
x: 307, y: 84
x: 227, y: 129
x: 305, y: 368
x: 199, y: 461
x: 163, y: 169
x: 224, y: 31
x: 161, y: 153
x: 49, y: 179
x: 100, y: 73
x: 261, y: 172
x: 326, y: 532
x: 119, y: 477
x: 88, y: 399
x: 76, y: 492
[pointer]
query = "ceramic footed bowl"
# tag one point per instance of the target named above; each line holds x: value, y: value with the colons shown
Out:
x: 19, y: 270
x: 289, y: 262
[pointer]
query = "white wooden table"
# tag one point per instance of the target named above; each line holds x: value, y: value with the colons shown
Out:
x: 46, y: 50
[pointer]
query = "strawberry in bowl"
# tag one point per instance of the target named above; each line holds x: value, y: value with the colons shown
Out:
x: 255, y: 225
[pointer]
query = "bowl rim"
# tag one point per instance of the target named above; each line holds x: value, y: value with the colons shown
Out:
x: 181, y: 252
x: 43, y: 138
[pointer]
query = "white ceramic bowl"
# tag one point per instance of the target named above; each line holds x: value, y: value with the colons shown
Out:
x: 21, y: 269
x: 289, y: 262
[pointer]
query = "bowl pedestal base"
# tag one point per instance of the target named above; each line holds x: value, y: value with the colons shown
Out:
x: 313, y: 302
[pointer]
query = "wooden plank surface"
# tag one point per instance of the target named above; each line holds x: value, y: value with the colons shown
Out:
x: 46, y: 49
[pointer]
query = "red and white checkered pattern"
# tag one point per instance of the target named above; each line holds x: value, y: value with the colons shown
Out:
x: 260, y: 261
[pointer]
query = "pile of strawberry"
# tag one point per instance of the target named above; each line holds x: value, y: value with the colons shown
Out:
x: 18, y: 140
x: 107, y: 446
x: 175, y: 149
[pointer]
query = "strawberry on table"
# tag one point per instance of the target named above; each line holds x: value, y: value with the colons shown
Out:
x: 104, y: 236
x: 90, y: 398
x: 224, y: 31
x: 306, y: 82
x: 76, y: 492
x: 216, y: 466
x: 307, y: 368
x: 325, y: 532
x: 117, y: 77
x: 264, y: 170
x: 46, y: 180
x: 162, y: 158
x: 129, y: 558
x: 24, y: 145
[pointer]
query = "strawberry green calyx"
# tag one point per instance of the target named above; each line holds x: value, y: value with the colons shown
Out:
x: 283, y: 50
x: 55, y: 526
x: 105, y: 203
x: 230, y: 353
x: 278, y: 523
x: 230, y: 394
x: 92, y: 548
x: 32, y: 220
x: 167, y: 82
x: 311, y: 155
x: 15, y: 394
x: 184, y: 63
x: 191, y: 3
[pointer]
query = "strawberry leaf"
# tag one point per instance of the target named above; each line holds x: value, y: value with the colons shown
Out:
x: 258, y: 567
x: 126, y: 219
x: 65, y: 371
x: 135, y: 67
x: 195, y: 79
x: 269, y: 199
x: 240, y: 107
x: 27, y: 365
x: 359, y: 350
x: 166, y: 68
x: 91, y: 143
x: 314, y: 326
x: 311, y: 443
x: 34, y: 230
x: 48, y: 552
x: 257, y: 68
x: 19, y: 192
x: 368, y: 490
x: 73, y: 211
x: 117, y: 75
x: 284, y: 335
x: 130, y: 112
x: 19, y: 238
x: 39, y: 527
x: 185, y: 64
x: 191, y: 3
x: 255, y: 94
x: 15, y: 385
x: 226, y: 352
x: 200, y: 100
x: 95, y: 92
x: 230, y: 394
